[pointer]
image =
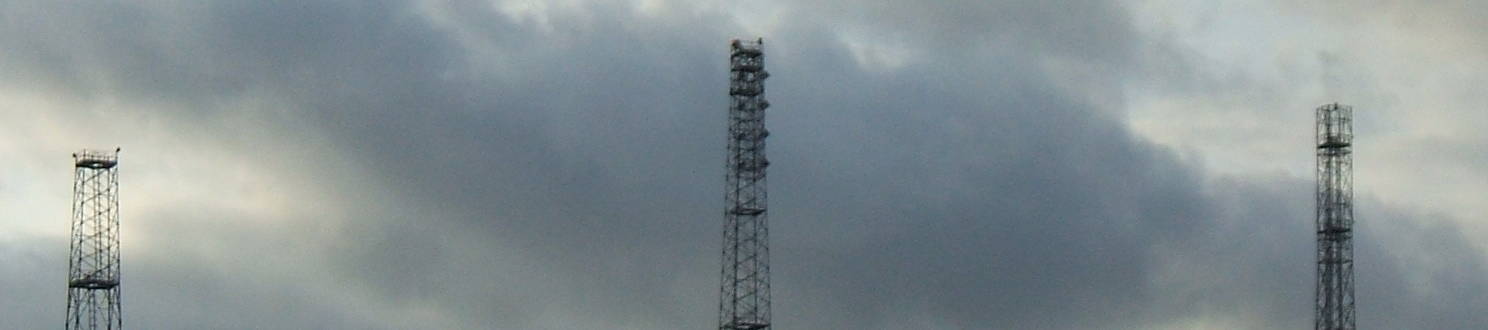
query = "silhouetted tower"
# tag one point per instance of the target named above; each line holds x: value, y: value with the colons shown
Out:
x: 1335, y: 218
x: 745, y: 301
x: 93, y: 263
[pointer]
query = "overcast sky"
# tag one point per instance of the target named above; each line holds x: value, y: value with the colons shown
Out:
x: 523, y: 164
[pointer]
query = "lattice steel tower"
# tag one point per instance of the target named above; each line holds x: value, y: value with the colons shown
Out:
x: 745, y: 298
x: 93, y: 263
x: 1334, y: 307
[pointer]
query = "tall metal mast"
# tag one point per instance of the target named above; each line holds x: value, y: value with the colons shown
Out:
x: 1334, y: 308
x: 745, y: 301
x: 93, y: 260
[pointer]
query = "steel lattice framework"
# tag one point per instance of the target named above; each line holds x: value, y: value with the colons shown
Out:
x: 93, y: 263
x: 745, y: 301
x: 1334, y: 307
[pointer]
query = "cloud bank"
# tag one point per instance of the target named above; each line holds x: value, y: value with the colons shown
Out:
x: 557, y: 165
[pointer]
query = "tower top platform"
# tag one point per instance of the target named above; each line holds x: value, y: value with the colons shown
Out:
x: 96, y: 159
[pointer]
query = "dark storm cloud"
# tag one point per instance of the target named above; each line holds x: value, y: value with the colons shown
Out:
x: 1413, y: 270
x: 569, y: 177
x: 615, y: 189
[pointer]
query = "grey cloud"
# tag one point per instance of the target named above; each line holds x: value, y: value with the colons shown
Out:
x: 577, y: 186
